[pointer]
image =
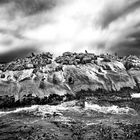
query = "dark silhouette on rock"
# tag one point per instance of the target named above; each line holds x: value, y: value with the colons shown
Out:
x: 71, y: 76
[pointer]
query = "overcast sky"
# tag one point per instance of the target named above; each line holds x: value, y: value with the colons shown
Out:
x: 99, y: 26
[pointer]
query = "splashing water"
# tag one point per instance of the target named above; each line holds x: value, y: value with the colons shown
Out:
x: 135, y: 95
x: 34, y: 107
x: 72, y: 107
x: 110, y: 109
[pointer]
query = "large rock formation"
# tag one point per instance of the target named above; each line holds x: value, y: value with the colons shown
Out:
x: 39, y: 80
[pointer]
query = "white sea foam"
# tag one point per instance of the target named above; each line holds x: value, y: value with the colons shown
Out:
x: 42, y: 109
x: 135, y: 95
x: 110, y: 109
x: 72, y: 107
x: 50, y: 109
x: 34, y: 107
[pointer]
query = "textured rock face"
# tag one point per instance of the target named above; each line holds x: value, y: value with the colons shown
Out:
x: 100, y: 75
x: 23, y: 83
x: 93, y: 77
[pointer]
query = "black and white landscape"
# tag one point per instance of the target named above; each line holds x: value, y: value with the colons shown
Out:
x: 69, y: 70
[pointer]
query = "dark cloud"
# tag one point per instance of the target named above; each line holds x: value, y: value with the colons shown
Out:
x: 18, y: 16
x: 72, y: 25
x: 123, y: 50
x: 3, y: 1
x: 127, y: 47
x: 135, y: 34
x: 18, y: 53
x: 110, y: 14
x: 30, y: 7
x: 130, y: 45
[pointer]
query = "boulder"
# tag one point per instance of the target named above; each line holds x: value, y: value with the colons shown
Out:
x: 79, y: 74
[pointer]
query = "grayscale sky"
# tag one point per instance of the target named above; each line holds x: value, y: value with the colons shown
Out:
x: 99, y: 26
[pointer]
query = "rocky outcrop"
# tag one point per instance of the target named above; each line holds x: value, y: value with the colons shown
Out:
x: 33, y: 61
x: 93, y: 77
x: 39, y: 80
x: 68, y: 121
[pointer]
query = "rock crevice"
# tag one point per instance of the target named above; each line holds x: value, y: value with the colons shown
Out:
x: 69, y: 76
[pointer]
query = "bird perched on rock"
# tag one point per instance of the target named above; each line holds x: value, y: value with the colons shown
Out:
x: 86, y: 51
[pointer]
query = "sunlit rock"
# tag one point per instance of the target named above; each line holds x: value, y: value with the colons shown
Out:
x: 78, y: 76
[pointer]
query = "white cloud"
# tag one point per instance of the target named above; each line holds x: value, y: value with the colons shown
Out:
x: 76, y: 25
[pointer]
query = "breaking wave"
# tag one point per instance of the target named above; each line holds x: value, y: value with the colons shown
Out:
x: 71, y: 106
x: 135, y: 95
x: 110, y: 109
x: 34, y: 107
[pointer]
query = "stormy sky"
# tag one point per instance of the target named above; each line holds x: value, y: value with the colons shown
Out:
x: 98, y: 26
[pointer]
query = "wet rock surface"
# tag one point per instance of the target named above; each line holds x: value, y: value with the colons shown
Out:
x: 69, y: 121
x: 78, y: 96
x: 73, y: 74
